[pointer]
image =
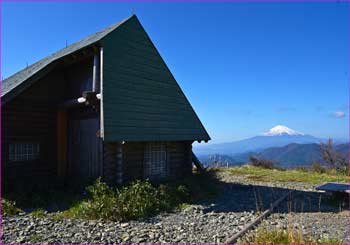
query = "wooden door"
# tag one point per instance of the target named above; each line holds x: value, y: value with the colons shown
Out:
x: 85, y: 147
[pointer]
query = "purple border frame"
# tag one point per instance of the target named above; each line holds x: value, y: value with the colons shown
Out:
x: 158, y: 1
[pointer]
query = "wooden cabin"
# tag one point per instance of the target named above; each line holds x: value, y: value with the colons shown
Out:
x: 104, y: 106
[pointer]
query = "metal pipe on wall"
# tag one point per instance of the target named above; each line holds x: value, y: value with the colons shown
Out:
x: 94, y: 74
x: 101, y: 95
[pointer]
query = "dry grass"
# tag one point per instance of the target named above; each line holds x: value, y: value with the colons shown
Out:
x: 278, y: 175
x: 289, y: 236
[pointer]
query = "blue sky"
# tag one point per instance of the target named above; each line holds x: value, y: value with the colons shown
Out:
x: 245, y: 67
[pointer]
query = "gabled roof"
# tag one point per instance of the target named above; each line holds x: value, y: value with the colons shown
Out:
x: 22, y: 76
x: 142, y: 100
x: 150, y: 105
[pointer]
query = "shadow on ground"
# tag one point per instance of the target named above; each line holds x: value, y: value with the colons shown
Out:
x: 233, y: 197
x: 238, y: 197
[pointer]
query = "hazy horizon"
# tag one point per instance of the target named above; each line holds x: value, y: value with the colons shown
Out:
x: 344, y: 139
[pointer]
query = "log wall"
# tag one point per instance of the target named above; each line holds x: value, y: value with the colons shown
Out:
x: 179, y: 161
x: 31, y: 118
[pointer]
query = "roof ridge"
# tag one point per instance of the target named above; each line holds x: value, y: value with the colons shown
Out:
x: 20, y: 76
x: 70, y: 45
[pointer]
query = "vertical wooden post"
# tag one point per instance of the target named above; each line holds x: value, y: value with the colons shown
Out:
x: 61, y: 142
x: 169, y: 159
x: 113, y: 163
x: 189, y: 157
x: 119, y: 163
x: 109, y: 167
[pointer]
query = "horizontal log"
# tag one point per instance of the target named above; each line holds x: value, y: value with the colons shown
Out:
x: 234, y: 238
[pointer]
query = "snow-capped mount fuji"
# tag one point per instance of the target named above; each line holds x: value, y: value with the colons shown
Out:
x: 281, y: 130
x: 277, y: 136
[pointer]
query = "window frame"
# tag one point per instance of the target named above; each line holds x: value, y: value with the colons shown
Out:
x: 23, y: 151
x: 155, y: 163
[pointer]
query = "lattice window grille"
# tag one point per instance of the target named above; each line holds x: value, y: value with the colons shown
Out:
x: 155, y: 160
x: 24, y: 151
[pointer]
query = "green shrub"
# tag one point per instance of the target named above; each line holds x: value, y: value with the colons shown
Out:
x: 140, y: 198
x: 170, y: 196
x: 301, y: 169
x: 201, y: 185
x: 39, y: 213
x: 318, y: 168
x: 9, y: 207
x: 263, y: 163
x: 99, y: 205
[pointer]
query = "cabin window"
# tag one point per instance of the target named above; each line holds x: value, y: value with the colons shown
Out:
x: 24, y: 151
x: 155, y: 160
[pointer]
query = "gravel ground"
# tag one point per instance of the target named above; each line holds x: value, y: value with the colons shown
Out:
x: 188, y: 226
x: 307, y: 210
x: 208, y: 222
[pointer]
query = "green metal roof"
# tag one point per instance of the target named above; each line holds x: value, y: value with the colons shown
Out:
x: 19, y: 78
x: 141, y: 99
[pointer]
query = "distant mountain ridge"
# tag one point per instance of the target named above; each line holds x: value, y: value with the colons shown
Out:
x: 275, y: 137
x: 288, y: 156
x: 288, y: 147
x: 293, y: 155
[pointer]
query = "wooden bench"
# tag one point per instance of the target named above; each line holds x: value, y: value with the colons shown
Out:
x: 338, y: 190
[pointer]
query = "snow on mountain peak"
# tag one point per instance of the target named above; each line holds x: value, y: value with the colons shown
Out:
x: 281, y: 130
